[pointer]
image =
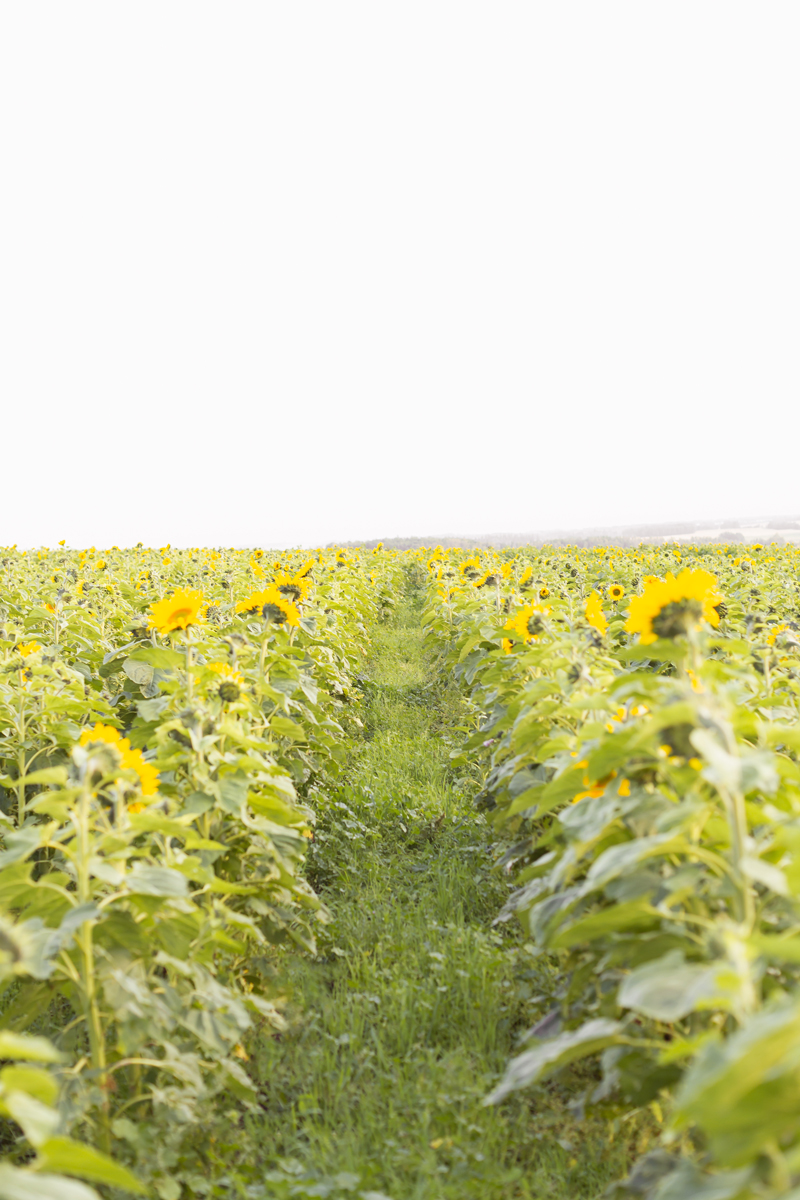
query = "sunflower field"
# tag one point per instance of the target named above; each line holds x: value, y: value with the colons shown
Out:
x: 165, y: 719
x: 636, y: 731
x: 173, y: 727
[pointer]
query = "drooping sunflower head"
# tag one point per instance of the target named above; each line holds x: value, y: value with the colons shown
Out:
x: 616, y: 591
x: 251, y: 604
x: 488, y: 579
x: 178, y: 611
x: 528, y: 622
x: 525, y: 576
x: 594, y: 613
x: 672, y: 607
x: 231, y: 682
x: 129, y: 760
x: 293, y: 587
x: 274, y: 608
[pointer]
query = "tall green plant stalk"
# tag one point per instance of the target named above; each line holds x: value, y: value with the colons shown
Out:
x: 94, y: 1024
x: 21, y: 754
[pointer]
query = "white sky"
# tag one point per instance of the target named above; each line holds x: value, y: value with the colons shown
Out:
x: 282, y: 273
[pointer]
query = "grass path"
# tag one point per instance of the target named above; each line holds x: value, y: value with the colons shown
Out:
x: 406, y: 1019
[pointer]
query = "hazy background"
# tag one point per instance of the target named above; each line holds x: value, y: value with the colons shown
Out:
x: 287, y: 273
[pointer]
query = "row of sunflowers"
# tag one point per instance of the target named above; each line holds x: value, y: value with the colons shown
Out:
x: 166, y: 719
x: 636, y: 729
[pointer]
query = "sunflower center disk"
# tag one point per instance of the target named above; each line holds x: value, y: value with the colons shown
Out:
x: 677, y: 617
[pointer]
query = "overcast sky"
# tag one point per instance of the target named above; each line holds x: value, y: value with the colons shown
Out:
x: 287, y: 273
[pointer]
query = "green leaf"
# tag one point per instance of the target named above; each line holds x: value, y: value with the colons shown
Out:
x: 20, y: 844
x: 151, y: 710
x: 155, y: 822
x: 62, y: 1154
x: 773, y: 945
x: 549, y: 1056
x: 140, y: 672
x: 620, y: 858
x: 157, y: 656
x: 667, y: 989
x: 233, y: 792
x: 46, y: 775
x: 38, y: 1121
x: 612, y: 752
x: 36, y: 1082
x: 20, y: 1184
x: 632, y: 915
x: 156, y: 881
x: 285, y: 727
x: 29, y: 1049
x: 745, y: 1092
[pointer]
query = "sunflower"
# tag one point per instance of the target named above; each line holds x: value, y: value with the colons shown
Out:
x: 231, y: 682
x: 672, y: 606
x: 178, y: 611
x: 525, y: 576
x: 30, y: 648
x: 132, y: 760
x: 594, y: 613
x: 616, y: 591
x: 544, y: 592
x: 273, y: 607
x: 293, y: 587
x: 226, y: 671
x: 488, y: 579
x: 528, y: 623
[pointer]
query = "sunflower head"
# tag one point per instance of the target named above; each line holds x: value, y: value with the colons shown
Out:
x: 122, y: 756
x: 293, y: 587
x: 273, y: 607
x: 528, y: 622
x: 594, y: 613
x: 544, y: 592
x: 178, y: 611
x: 488, y: 579
x: 28, y: 648
x: 616, y: 591
x: 672, y: 607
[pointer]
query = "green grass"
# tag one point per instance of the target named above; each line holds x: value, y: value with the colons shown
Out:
x: 407, y: 1017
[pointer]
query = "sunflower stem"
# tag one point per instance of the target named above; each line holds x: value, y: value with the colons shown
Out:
x: 21, y: 756
x: 189, y: 680
x: 94, y: 1022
